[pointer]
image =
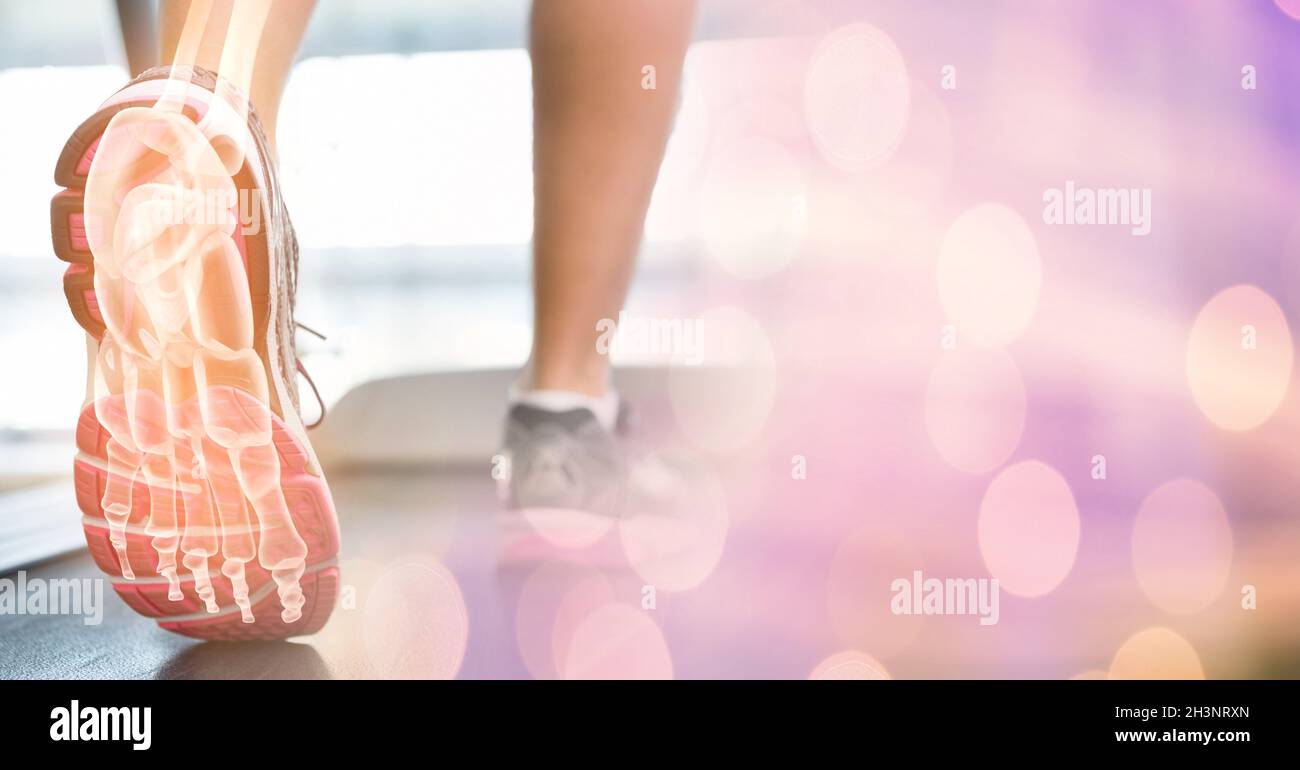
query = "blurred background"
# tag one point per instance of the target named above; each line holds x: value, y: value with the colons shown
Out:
x: 921, y: 372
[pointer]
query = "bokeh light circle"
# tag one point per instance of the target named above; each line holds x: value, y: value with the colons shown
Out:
x: 553, y: 599
x: 617, y: 641
x: 677, y: 521
x: 850, y: 664
x: 1029, y: 528
x: 342, y: 638
x: 754, y: 207
x: 1156, y: 653
x: 1182, y: 546
x: 566, y: 528
x: 857, y: 97
x: 975, y: 408
x: 583, y: 598
x: 1239, y: 356
x: 989, y: 275
x: 1290, y: 8
x: 722, y: 402
x: 1090, y: 674
x: 416, y: 624
x: 910, y: 183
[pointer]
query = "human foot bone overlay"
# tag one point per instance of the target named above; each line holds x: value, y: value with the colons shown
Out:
x: 178, y: 384
x: 193, y: 460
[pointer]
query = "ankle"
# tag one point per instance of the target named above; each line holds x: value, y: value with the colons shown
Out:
x: 588, y: 381
x: 604, y: 408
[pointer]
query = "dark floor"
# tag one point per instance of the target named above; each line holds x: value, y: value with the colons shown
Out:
x: 385, y: 518
x: 425, y: 594
x: 395, y: 525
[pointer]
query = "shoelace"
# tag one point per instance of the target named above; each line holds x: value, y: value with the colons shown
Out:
x: 303, y: 371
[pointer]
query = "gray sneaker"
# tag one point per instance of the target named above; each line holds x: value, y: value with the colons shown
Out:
x: 564, y: 460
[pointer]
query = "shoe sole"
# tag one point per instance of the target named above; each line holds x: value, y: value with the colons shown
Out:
x: 305, y: 490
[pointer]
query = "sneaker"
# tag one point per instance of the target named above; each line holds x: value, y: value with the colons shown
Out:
x: 202, y: 498
x: 565, y: 482
x: 563, y: 460
x: 577, y: 492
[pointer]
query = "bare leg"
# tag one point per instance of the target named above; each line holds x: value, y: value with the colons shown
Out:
x: 263, y: 79
x: 598, y: 141
x: 139, y: 34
